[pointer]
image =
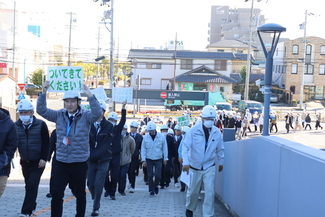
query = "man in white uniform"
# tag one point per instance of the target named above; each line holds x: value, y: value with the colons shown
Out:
x: 201, y: 146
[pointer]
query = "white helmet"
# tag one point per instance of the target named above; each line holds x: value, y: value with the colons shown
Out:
x: 25, y: 105
x: 151, y: 126
x: 143, y: 128
x: 164, y: 127
x: 177, y: 127
x: 125, y: 126
x: 71, y: 95
x: 134, y: 124
x: 208, y: 112
x: 170, y: 131
x: 102, y: 104
x: 185, y: 129
x: 112, y: 116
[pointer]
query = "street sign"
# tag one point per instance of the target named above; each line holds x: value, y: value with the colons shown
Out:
x: 21, y: 86
x: 21, y: 96
x: 163, y: 95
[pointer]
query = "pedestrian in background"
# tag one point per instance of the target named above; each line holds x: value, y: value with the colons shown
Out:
x: 318, y: 120
x: 100, y: 142
x: 238, y: 126
x: 245, y: 124
x: 298, y: 123
x: 154, y: 154
x: 72, y: 146
x: 261, y: 122
x: 273, y: 120
x: 308, y: 121
x: 33, y: 147
x: 202, y: 145
x: 303, y: 118
x: 255, y: 120
x: 176, y: 165
x: 8, y: 146
x: 128, y: 147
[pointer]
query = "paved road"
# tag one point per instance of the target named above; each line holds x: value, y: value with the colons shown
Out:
x: 170, y: 202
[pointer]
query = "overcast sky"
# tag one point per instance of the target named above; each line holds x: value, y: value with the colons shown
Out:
x: 151, y: 23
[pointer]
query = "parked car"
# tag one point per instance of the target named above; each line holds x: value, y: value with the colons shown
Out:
x: 223, y: 106
x: 253, y: 106
x: 274, y: 97
x: 32, y: 85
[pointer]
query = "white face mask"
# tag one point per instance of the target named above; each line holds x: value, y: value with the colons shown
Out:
x: 208, y: 123
x: 123, y: 133
x: 25, y: 118
x: 164, y: 133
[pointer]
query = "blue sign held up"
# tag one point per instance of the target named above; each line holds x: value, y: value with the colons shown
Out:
x: 21, y: 96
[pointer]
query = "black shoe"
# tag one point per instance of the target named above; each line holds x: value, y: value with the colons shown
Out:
x: 49, y: 195
x: 188, y: 213
x: 112, y: 197
x: 182, y: 189
x: 152, y: 194
x: 95, y: 213
x: 156, y: 190
x: 106, y: 194
x: 167, y: 185
x: 162, y: 187
x: 123, y: 193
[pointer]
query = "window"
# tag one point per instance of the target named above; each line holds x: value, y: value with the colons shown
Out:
x: 220, y: 65
x: 220, y: 50
x: 145, y: 81
x: 284, y: 69
x: 222, y: 89
x: 295, y: 49
x: 153, y: 65
x: 322, y: 50
x: 294, y: 68
x: 308, y: 54
x: 141, y: 65
x: 292, y: 89
x: 322, y: 69
x: 186, y: 64
x: 309, y: 69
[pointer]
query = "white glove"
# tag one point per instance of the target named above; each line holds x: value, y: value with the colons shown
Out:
x: 45, y: 86
x: 87, y: 91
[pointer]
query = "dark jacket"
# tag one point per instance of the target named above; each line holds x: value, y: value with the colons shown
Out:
x: 238, y: 123
x: 231, y: 123
x: 171, y: 147
x: 34, y: 142
x: 116, y: 143
x: 176, y: 146
x: 8, y: 142
x: 138, y: 140
x: 52, y: 145
x: 102, y: 151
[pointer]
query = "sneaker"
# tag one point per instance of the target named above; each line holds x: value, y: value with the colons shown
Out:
x: 123, y: 193
x: 95, y: 213
x: 156, y: 190
x: 177, y: 185
x: 106, y: 194
x: 112, y: 197
x: 152, y: 194
x: 131, y: 190
x: 129, y: 185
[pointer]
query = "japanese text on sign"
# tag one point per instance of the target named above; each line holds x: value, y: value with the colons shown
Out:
x: 65, y: 78
x: 122, y: 94
x: 183, y: 120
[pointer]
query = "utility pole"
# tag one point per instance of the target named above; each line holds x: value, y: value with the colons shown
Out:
x: 248, y: 63
x: 111, y: 51
x: 302, y: 78
x: 175, y: 50
x: 69, y: 52
x: 14, y: 44
x: 97, y: 56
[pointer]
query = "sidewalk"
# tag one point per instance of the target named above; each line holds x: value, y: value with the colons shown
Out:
x: 169, y: 202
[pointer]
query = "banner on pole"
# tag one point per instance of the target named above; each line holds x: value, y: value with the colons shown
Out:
x: 100, y: 93
x: 183, y: 120
x: 122, y: 94
x: 65, y: 78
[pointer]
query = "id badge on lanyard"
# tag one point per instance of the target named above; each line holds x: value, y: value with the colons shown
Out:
x: 66, y: 139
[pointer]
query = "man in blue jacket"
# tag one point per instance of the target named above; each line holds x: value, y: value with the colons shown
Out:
x: 100, y: 140
x: 72, y: 147
x: 8, y: 146
x: 114, y: 167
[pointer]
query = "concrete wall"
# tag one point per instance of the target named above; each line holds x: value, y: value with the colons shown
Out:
x: 271, y: 176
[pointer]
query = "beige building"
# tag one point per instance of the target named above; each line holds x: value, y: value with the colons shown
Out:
x: 294, y: 54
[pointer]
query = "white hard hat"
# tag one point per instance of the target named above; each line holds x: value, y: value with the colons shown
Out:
x: 25, y: 105
x: 164, y: 127
x: 151, y: 126
x: 112, y: 116
x: 102, y: 104
x: 71, y: 95
x: 134, y: 124
x: 125, y: 126
x: 143, y: 128
x: 185, y: 129
x: 177, y: 127
x: 170, y: 131
x: 208, y: 112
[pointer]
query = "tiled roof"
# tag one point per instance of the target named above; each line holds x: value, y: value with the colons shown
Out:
x: 256, y: 76
x: 210, y: 55
x: 151, y: 54
x: 204, y: 74
x: 236, y: 77
x: 230, y: 44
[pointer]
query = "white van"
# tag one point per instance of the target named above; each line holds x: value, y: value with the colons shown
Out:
x: 223, y: 106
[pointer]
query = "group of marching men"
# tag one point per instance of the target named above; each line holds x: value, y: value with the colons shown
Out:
x: 89, y: 149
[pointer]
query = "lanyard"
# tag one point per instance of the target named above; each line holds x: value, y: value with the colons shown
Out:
x: 68, y: 129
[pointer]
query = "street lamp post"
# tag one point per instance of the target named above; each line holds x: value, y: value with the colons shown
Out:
x: 276, y: 30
